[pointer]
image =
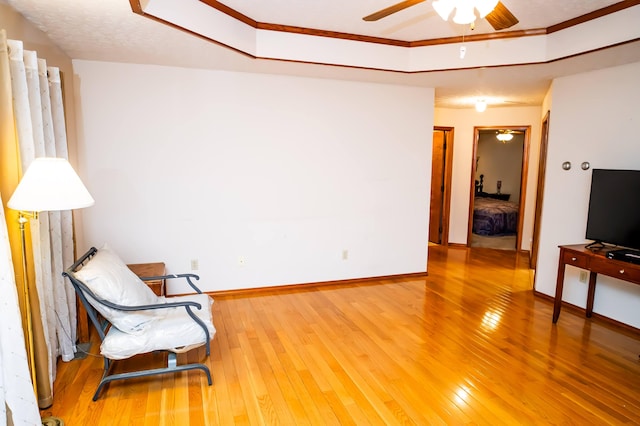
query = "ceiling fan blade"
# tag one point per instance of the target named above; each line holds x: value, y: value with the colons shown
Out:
x: 501, y: 18
x: 391, y: 9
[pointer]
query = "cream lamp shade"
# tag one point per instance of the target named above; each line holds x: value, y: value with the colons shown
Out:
x: 50, y: 184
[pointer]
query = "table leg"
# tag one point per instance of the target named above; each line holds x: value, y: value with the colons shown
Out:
x: 557, y: 304
x: 591, y: 292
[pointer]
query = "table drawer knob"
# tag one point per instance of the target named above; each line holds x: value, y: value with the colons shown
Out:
x: 622, y: 271
x: 574, y: 259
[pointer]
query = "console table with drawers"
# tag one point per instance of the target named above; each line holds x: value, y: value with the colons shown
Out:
x: 596, y: 262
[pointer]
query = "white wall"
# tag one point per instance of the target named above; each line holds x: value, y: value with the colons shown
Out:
x: 594, y: 118
x: 285, y: 172
x: 464, y: 121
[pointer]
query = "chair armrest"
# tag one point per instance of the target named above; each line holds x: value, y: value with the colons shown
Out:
x: 188, y: 277
x: 87, y: 291
x: 112, y: 305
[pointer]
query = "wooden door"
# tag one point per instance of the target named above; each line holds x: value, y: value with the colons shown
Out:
x: 438, y: 161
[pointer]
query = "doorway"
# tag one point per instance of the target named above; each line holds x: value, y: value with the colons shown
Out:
x: 498, y: 185
x: 441, y: 164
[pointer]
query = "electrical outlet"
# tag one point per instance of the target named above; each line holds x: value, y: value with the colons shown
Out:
x: 345, y: 254
x: 583, y: 276
x: 241, y: 261
x: 194, y: 264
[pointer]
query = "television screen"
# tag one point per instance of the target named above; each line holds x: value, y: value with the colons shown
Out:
x: 614, y: 208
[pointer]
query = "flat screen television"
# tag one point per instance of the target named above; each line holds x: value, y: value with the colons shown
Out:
x: 614, y: 208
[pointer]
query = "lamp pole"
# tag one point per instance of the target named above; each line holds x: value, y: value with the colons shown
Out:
x: 22, y: 220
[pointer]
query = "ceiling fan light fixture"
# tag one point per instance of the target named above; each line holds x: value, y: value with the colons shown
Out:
x: 465, y: 9
x: 444, y: 8
x: 464, y: 13
x: 481, y: 105
x: 504, y: 137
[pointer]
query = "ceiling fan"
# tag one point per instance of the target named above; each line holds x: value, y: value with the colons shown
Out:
x: 505, y: 135
x: 499, y: 17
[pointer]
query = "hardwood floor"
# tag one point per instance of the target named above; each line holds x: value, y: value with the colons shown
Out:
x: 469, y: 344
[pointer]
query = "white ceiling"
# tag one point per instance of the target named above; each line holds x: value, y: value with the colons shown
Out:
x: 108, y: 30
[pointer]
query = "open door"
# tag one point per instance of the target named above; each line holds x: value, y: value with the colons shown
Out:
x: 542, y: 167
x: 441, y: 162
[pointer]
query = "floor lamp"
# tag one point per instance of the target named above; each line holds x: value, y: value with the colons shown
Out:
x: 49, y: 184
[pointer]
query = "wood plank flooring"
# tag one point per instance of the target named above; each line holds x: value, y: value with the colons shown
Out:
x: 469, y: 344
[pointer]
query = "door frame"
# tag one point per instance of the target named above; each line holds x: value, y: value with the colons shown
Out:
x: 448, y: 173
x: 523, y: 178
x: 542, y: 169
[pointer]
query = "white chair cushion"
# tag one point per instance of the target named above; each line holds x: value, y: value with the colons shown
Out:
x: 173, y: 330
x: 110, y: 279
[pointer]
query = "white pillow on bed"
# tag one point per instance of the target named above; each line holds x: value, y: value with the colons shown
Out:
x: 109, y: 278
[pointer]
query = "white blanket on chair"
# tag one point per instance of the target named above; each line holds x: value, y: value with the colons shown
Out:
x: 176, y: 331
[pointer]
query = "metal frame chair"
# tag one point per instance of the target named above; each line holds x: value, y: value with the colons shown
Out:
x: 90, y: 301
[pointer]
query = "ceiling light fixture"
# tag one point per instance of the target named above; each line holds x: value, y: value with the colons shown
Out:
x: 504, y: 137
x: 465, y: 9
x: 481, y: 105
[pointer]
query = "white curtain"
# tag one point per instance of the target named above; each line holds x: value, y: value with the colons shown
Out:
x: 39, y: 115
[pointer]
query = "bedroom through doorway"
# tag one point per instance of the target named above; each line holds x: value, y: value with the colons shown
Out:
x: 497, y: 190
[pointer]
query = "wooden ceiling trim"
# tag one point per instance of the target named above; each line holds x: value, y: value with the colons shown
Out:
x: 427, y: 42
x: 332, y: 34
x: 617, y: 7
x: 231, y: 12
x: 137, y: 8
x: 479, y: 37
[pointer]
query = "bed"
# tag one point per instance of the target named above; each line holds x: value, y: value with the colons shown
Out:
x: 494, y: 217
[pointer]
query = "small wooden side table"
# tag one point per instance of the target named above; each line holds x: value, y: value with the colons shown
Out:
x: 151, y: 270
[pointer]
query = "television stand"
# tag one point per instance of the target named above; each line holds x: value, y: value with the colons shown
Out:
x: 596, y: 262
